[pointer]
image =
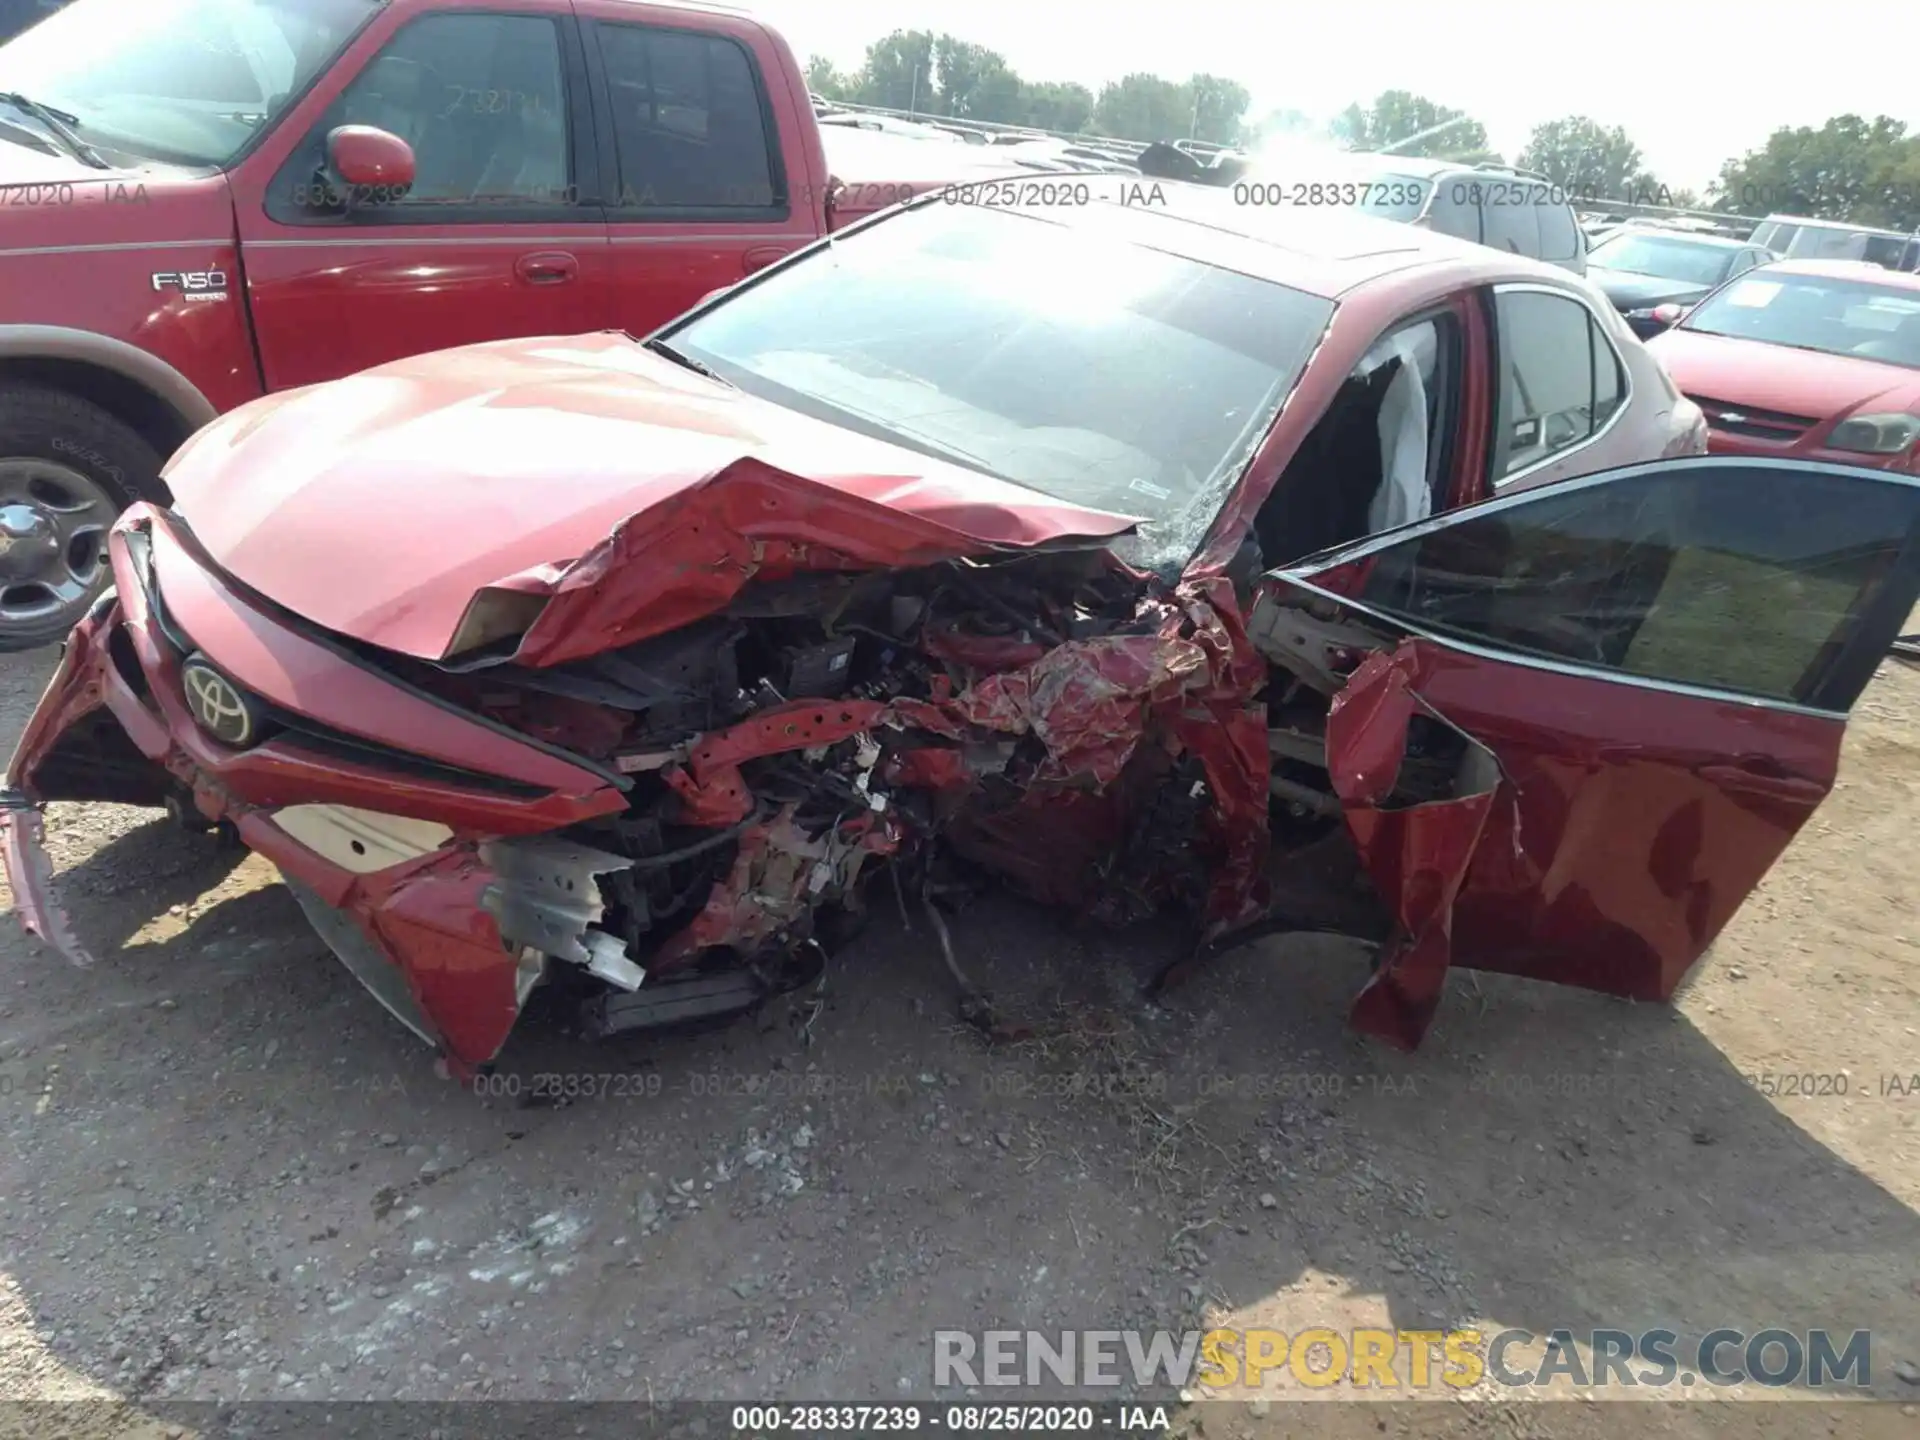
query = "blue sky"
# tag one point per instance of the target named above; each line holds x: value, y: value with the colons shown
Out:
x: 1691, y: 84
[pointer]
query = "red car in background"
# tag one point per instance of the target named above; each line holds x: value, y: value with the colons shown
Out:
x: 1814, y: 359
x: 1025, y: 544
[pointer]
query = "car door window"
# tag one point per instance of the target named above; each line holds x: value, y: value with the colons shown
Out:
x: 1749, y: 578
x: 1380, y: 453
x: 1560, y: 378
x: 1453, y: 211
x: 1559, y: 236
x: 689, y: 122
x: 1510, y: 216
x: 480, y: 99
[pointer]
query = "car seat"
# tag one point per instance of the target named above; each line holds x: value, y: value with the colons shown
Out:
x: 1901, y: 345
x: 521, y: 150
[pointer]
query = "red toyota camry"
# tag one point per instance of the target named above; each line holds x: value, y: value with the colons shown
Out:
x: 1810, y: 359
x: 1133, y: 560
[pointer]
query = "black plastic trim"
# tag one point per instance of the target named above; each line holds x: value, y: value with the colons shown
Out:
x: 332, y: 644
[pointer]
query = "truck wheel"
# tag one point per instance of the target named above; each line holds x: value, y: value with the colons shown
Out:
x: 67, y: 468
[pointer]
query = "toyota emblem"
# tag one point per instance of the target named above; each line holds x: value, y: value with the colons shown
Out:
x: 218, y: 704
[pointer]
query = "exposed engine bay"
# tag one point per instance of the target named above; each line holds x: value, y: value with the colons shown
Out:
x: 1042, y: 721
x: 1097, y: 740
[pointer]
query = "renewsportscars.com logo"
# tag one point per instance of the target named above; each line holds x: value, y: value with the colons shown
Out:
x: 1320, y: 1356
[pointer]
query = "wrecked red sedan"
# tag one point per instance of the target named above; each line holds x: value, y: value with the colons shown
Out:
x: 969, y: 544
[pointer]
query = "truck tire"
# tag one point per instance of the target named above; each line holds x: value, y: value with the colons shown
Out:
x: 67, y: 468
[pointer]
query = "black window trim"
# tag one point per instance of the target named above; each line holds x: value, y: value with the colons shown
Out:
x: 1505, y: 247
x: 1497, y: 483
x: 1847, y: 676
x: 1564, y: 208
x: 1433, y: 195
x: 609, y: 143
x: 582, y: 157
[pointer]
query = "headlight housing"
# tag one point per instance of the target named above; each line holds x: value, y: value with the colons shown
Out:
x: 1875, y: 434
x: 494, y: 615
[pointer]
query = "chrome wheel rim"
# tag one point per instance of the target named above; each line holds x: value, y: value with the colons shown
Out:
x: 53, y: 540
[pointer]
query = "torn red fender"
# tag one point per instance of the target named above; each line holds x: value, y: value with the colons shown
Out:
x: 1417, y: 855
x: 1087, y: 701
x: 72, y: 691
x: 21, y: 843
x: 685, y: 558
x: 1226, y: 727
x: 430, y: 919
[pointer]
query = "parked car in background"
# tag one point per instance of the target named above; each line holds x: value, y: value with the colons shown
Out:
x: 210, y: 200
x: 964, y: 537
x: 1651, y: 275
x: 1797, y: 237
x: 1813, y: 359
x: 1516, y: 211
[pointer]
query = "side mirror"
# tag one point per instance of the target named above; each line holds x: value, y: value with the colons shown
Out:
x: 366, y: 166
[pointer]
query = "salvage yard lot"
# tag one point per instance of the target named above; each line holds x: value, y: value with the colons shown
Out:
x: 225, y: 1172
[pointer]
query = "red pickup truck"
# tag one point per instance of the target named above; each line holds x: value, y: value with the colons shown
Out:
x: 205, y: 200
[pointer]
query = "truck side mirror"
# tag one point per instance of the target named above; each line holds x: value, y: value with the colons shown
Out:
x: 366, y: 166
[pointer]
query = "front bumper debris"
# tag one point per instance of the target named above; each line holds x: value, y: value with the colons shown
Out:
x: 316, y: 796
x: 23, y: 851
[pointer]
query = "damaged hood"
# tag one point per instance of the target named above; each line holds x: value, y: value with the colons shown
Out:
x: 632, y: 493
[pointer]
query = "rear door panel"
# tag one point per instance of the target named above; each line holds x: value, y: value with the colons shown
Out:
x: 1656, y: 664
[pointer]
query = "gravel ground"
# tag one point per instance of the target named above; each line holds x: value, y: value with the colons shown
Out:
x: 225, y: 1173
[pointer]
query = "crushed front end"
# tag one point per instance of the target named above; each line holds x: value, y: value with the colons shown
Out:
x: 672, y: 825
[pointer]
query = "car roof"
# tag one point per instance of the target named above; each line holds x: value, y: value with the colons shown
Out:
x: 717, y: 7
x: 1844, y: 270
x: 1817, y: 223
x: 1718, y: 242
x: 1323, y: 250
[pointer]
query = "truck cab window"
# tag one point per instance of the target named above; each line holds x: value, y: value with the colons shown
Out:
x: 688, y: 122
x: 479, y: 97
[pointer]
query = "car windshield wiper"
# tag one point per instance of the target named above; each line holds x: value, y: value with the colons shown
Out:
x: 60, y: 125
x: 660, y: 347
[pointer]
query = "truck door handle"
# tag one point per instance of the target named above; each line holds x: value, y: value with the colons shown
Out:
x: 547, y: 267
x: 764, y: 256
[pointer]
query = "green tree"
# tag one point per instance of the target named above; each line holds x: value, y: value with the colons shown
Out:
x: 1143, y: 107
x: 827, y: 82
x: 1587, y: 159
x: 1055, y: 105
x: 1218, y: 106
x: 899, y: 72
x: 1410, y: 124
x: 973, y: 80
x: 1849, y: 169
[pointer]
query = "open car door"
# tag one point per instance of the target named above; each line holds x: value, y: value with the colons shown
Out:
x: 1640, y: 680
